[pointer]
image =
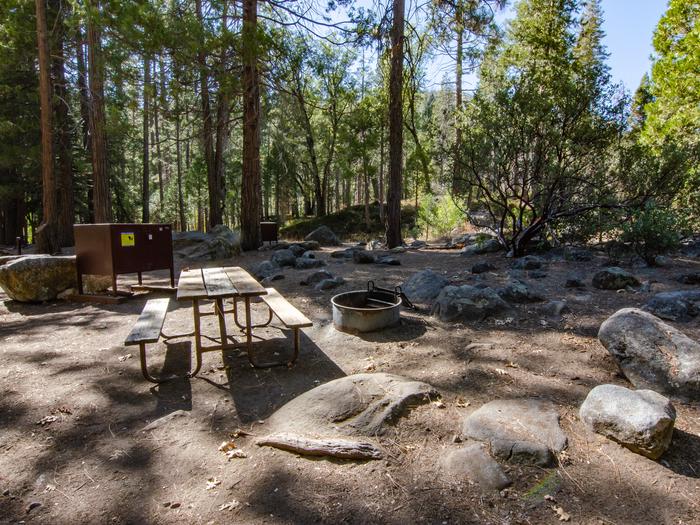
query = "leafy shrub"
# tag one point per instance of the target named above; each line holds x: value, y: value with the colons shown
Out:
x: 438, y: 216
x: 653, y: 230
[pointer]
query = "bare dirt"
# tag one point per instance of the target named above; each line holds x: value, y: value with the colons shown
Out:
x: 73, y: 406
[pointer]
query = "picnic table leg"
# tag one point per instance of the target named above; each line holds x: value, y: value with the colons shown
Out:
x: 248, y: 323
x: 144, y: 368
x: 197, y: 338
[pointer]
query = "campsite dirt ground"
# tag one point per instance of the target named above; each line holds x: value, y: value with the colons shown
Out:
x: 94, y: 463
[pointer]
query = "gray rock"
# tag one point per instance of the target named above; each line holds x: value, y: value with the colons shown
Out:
x: 389, y: 260
x: 297, y: 250
x: 363, y: 257
x: 398, y: 249
x: 283, y: 257
x: 468, y: 303
x: 689, y: 278
x: 482, y: 267
x: 652, y: 354
x: 342, y: 254
x: 324, y: 236
x: 424, y: 286
x: 271, y: 278
x: 308, y: 255
x: 518, y: 430
x: 537, y: 274
x: 305, y: 263
x: 472, y: 463
x: 574, y: 282
x: 329, y: 284
x: 682, y: 305
x: 265, y: 269
x: 555, y: 309
x: 317, y: 277
x: 520, y: 292
x: 640, y: 420
x: 417, y: 245
x: 356, y: 405
x: 480, y: 248
x: 577, y: 254
x: 219, y: 243
x: 37, y: 278
x: 529, y: 262
x: 614, y: 278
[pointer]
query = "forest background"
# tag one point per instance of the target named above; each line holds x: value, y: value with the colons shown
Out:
x: 201, y: 113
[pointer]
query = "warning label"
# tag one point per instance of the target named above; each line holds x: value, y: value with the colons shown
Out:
x: 128, y: 239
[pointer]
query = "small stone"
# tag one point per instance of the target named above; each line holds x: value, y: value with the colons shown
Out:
x: 388, y: 260
x: 529, y: 262
x: 482, y: 268
x: 284, y: 257
x: 175, y: 505
x: 363, y: 257
x: 33, y: 505
x: 614, y: 278
x: 574, y: 282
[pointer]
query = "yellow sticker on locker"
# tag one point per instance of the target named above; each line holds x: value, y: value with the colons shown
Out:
x: 128, y: 239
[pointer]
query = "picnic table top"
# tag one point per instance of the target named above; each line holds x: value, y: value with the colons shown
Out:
x: 217, y: 283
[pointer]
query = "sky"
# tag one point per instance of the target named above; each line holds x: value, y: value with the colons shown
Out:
x: 629, y: 29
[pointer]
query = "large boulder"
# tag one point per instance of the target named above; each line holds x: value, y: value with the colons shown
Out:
x: 265, y: 269
x: 518, y: 430
x: 529, y: 262
x: 424, y: 286
x: 641, y: 420
x: 614, y: 278
x: 305, y: 263
x: 356, y: 405
x: 284, y: 257
x: 37, y: 278
x: 517, y: 291
x: 468, y: 303
x: 652, y: 354
x: 324, y: 236
x: 219, y: 243
x: 682, y: 305
x: 363, y: 257
x: 481, y: 247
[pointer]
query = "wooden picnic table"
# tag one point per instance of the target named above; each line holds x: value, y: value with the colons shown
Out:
x: 217, y: 285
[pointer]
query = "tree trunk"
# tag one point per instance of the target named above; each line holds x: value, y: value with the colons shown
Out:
x: 84, y: 97
x: 156, y: 127
x: 251, y: 203
x: 98, y: 143
x: 178, y: 157
x: 47, y: 240
x: 145, y: 182
x: 64, y: 175
x: 380, y: 197
x: 207, y: 138
x: 393, y: 223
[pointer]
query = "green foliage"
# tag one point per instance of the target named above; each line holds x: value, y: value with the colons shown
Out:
x: 653, y: 230
x: 438, y: 216
x: 540, y: 125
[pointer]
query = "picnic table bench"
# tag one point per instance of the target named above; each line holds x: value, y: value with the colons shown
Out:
x: 217, y: 285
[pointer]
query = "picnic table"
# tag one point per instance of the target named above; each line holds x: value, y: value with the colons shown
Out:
x: 218, y: 285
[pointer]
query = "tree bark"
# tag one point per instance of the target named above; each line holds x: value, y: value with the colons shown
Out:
x: 84, y: 97
x: 156, y: 127
x: 393, y: 222
x: 207, y: 138
x: 251, y: 203
x: 145, y: 181
x: 100, y: 187
x: 47, y: 240
x: 64, y: 175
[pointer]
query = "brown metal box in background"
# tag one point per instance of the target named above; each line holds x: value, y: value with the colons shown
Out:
x: 114, y: 249
x: 268, y: 231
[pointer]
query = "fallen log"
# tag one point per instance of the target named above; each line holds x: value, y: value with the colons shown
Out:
x: 338, y: 448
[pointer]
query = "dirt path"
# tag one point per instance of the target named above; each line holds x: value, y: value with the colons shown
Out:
x: 92, y: 462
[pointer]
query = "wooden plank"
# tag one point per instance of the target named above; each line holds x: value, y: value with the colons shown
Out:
x: 191, y: 285
x: 245, y: 284
x: 290, y: 316
x: 148, y: 325
x: 217, y: 283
